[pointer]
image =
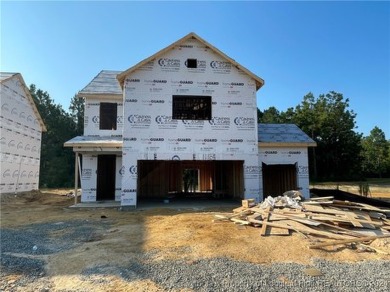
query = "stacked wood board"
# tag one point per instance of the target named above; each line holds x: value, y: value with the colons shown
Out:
x: 318, y: 218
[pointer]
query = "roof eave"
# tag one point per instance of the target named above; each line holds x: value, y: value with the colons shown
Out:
x: 287, y: 144
x: 93, y: 144
x: 99, y: 95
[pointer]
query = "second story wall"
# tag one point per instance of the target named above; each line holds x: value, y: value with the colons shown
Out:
x: 110, y: 124
x: 194, y: 71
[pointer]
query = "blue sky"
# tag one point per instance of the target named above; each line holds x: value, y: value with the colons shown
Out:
x: 296, y: 47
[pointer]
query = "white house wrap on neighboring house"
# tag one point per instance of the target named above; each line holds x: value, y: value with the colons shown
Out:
x: 21, y: 129
x: 182, y: 122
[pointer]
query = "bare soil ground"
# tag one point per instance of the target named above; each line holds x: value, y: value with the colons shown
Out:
x: 166, y: 233
x: 377, y: 191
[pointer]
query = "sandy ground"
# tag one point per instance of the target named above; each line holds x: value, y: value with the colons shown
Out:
x: 376, y: 191
x: 168, y: 233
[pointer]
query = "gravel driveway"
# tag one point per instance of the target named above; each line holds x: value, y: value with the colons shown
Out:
x: 23, y: 251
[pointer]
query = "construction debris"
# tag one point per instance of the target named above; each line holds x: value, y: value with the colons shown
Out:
x: 318, y: 218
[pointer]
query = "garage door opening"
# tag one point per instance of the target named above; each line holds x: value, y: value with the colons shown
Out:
x: 279, y: 178
x: 190, y: 179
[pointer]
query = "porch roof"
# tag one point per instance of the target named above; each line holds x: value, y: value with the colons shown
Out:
x: 95, y: 141
x: 280, y: 135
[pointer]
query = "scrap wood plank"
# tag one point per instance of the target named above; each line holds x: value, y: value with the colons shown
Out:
x: 363, y: 223
x: 287, y: 211
x: 362, y: 239
x: 328, y: 211
x: 322, y: 198
x: 320, y: 209
x: 355, y: 222
x: 229, y: 216
x: 265, y: 221
x: 248, y: 203
x: 348, y: 218
x: 371, y: 208
x: 257, y: 210
x: 240, y: 221
x: 271, y: 230
x: 376, y: 215
x: 313, y: 231
x: 386, y: 221
x: 304, y: 203
x: 221, y: 217
x: 325, y: 217
x: 343, y: 230
x: 375, y: 249
x: 301, y: 228
x: 369, y: 232
x: 299, y: 219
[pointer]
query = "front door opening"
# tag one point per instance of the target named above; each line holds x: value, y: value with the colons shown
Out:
x: 106, y: 177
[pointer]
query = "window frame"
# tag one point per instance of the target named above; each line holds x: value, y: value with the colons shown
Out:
x: 181, y: 105
x: 108, y: 115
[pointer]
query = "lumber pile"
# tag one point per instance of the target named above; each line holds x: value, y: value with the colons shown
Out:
x: 317, y: 219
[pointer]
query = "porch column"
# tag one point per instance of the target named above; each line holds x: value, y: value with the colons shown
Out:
x: 76, y: 176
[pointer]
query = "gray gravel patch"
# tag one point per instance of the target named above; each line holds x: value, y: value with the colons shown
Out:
x: 23, y: 249
x: 223, y: 274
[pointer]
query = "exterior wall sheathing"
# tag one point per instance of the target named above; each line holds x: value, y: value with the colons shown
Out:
x: 150, y: 133
x: 20, y: 140
x: 288, y: 155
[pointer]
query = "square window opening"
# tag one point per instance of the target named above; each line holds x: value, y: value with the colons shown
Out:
x: 108, y: 116
x: 192, y: 63
x: 191, y: 107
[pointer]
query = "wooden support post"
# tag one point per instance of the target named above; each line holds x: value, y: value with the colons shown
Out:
x: 76, y: 176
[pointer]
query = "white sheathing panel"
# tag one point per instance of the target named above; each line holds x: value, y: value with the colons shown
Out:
x: 150, y: 133
x: 288, y: 155
x: 20, y: 140
x: 92, y: 118
x: 88, y: 178
x: 118, y: 178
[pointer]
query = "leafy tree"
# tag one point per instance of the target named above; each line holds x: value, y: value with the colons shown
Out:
x: 329, y: 122
x: 57, y: 164
x: 77, y: 113
x: 375, y: 153
x: 274, y: 116
x: 271, y: 116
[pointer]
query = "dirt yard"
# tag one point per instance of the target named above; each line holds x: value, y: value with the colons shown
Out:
x: 114, y: 237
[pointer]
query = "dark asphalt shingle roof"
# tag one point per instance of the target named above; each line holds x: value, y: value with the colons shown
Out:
x: 282, y: 133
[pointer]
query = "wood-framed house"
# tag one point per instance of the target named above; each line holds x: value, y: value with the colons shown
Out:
x: 181, y: 122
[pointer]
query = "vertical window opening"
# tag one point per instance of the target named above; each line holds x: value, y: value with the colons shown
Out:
x: 108, y: 116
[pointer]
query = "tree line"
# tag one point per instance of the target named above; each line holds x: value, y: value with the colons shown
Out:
x: 341, y: 153
x: 57, y: 162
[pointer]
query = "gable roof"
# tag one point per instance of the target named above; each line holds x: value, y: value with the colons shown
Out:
x: 122, y: 76
x: 5, y: 76
x: 105, y: 83
x: 283, y: 135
